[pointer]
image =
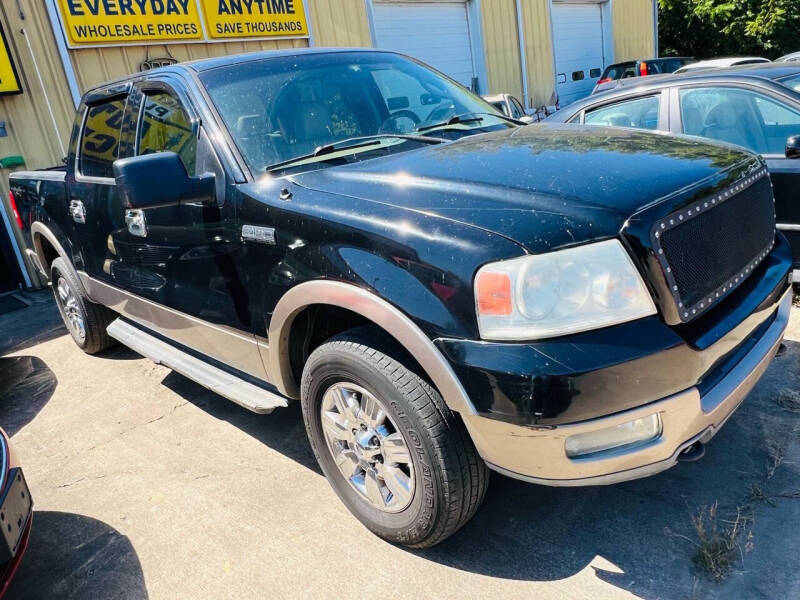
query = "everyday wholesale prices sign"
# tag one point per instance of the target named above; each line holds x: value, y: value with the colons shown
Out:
x: 89, y: 23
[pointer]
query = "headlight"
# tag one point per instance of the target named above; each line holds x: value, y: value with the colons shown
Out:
x: 557, y: 293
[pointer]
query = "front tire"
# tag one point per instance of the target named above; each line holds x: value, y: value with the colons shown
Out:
x: 398, y: 458
x: 85, y: 320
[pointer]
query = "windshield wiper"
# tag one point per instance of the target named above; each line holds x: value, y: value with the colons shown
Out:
x: 353, y: 143
x: 467, y: 118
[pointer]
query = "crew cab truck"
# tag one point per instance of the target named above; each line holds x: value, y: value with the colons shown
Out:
x: 444, y: 291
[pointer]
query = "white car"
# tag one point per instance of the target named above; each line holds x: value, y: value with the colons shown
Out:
x: 719, y: 63
x: 509, y: 106
x: 793, y: 57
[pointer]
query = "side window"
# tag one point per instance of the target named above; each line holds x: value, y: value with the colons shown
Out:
x: 738, y: 116
x: 516, y: 108
x: 641, y: 113
x: 166, y: 126
x: 100, y: 138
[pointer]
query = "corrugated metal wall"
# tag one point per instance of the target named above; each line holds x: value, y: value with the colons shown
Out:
x: 96, y: 65
x: 633, y: 29
x: 539, y: 51
x: 501, y: 47
x: 32, y: 131
x: 339, y: 22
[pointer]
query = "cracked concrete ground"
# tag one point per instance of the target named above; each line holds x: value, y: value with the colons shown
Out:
x: 148, y: 486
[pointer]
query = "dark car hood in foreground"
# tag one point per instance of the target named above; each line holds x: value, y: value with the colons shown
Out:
x: 543, y: 186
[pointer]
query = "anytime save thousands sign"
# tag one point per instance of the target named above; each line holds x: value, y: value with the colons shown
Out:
x: 120, y: 22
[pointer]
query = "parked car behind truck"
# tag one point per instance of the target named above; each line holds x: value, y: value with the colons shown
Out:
x: 558, y: 303
x: 755, y: 106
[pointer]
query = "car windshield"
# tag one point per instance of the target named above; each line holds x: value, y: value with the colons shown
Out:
x: 281, y: 108
x: 793, y: 82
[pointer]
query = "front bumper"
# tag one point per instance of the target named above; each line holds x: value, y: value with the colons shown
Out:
x: 537, y: 453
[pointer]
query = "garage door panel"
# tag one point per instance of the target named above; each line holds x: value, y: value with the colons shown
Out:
x: 578, y: 44
x: 435, y: 33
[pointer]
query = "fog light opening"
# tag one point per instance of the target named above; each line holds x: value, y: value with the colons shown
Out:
x: 622, y: 436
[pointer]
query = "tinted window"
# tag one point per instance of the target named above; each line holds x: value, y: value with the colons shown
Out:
x: 100, y: 138
x: 739, y: 116
x: 616, y: 71
x: 166, y: 126
x: 641, y: 113
x: 278, y: 109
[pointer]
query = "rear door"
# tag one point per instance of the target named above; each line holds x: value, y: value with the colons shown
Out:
x: 91, y: 192
x: 758, y: 120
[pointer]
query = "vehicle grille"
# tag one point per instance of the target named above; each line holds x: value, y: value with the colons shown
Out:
x: 707, y: 249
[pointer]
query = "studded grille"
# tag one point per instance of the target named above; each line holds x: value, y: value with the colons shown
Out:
x: 707, y: 249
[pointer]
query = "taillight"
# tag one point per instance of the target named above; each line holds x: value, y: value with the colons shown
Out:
x: 13, y: 204
x: 643, y: 69
x: 604, y: 80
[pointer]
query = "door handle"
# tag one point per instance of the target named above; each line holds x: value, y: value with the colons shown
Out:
x: 137, y: 225
x: 77, y: 211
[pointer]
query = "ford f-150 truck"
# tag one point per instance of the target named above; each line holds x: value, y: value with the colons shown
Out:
x: 444, y: 291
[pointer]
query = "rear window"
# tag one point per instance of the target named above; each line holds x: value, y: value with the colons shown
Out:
x: 620, y: 70
x: 100, y: 138
x: 666, y: 65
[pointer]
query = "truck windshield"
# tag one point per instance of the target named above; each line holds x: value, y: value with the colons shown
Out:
x: 281, y: 108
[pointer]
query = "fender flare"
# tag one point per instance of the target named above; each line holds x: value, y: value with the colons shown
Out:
x: 40, y: 229
x: 373, y: 308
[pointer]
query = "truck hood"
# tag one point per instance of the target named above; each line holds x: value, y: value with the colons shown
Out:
x: 544, y: 185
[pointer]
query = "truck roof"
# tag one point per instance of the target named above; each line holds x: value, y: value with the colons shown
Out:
x: 205, y: 64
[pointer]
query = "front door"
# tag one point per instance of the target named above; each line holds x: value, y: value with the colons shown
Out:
x: 179, y: 263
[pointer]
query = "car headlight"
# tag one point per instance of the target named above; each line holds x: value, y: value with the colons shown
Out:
x: 561, y: 292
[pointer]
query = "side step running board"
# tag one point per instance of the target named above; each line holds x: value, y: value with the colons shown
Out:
x: 221, y: 382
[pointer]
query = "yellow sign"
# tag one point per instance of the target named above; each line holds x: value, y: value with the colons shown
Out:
x: 120, y: 22
x: 116, y: 22
x: 227, y: 19
x: 9, y: 82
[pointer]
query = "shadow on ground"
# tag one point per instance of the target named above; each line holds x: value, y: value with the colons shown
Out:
x: 531, y: 532
x: 38, y: 323
x: 72, y: 556
x: 26, y: 385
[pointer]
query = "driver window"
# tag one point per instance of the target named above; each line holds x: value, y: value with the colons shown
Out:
x: 166, y: 126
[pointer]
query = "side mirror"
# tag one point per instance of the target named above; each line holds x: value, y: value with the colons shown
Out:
x: 160, y: 179
x: 793, y: 147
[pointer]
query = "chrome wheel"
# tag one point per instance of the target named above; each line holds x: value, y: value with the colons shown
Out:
x: 367, y: 446
x: 70, y: 309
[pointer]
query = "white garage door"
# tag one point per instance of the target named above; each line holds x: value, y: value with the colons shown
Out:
x: 436, y: 33
x: 578, y: 43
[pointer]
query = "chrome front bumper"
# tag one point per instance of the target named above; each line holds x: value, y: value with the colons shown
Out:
x: 538, y: 455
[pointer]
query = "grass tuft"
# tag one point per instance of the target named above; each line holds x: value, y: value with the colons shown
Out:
x: 719, y: 541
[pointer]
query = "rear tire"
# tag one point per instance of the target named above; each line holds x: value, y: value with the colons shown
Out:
x: 444, y: 477
x: 86, y: 321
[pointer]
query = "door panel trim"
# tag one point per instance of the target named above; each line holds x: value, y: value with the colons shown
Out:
x: 229, y: 346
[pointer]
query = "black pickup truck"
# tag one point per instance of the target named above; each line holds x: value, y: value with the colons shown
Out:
x: 444, y: 291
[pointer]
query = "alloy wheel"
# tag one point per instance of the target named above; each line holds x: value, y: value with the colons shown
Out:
x: 71, y: 309
x: 367, y: 447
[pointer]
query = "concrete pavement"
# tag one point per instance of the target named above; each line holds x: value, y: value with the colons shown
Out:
x: 146, y: 485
